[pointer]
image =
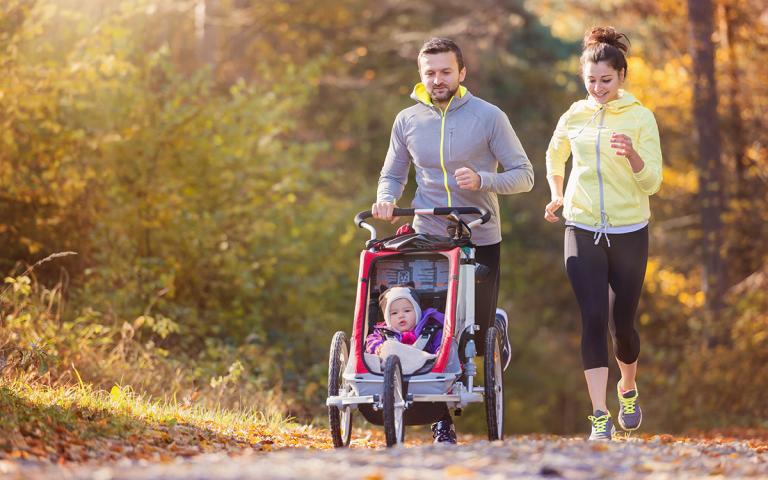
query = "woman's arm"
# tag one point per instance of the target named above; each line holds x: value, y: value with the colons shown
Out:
x: 556, y: 191
x: 623, y: 145
x: 557, y: 154
x: 645, y: 161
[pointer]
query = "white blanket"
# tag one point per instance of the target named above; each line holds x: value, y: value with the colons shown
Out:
x: 411, y: 358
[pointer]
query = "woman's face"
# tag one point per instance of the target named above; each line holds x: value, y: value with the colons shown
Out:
x: 402, y: 315
x: 602, y: 81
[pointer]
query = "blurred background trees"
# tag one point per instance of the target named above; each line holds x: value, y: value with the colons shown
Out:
x: 205, y: 158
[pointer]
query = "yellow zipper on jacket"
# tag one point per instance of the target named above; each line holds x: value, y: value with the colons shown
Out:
x: 442, y: 138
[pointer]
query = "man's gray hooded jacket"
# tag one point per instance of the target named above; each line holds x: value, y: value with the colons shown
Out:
x: 471, y: 133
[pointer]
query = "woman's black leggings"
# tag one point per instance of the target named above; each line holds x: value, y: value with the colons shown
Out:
x: 607, y: 282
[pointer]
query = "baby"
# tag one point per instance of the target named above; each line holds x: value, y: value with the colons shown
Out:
x: 404, y: 321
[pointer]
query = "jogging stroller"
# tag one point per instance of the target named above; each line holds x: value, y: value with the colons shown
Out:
x: 443, y: 271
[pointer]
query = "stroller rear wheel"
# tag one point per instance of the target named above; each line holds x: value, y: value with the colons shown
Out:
x: 394, y: 401
x: 340, y: 420
x: 494, y: 385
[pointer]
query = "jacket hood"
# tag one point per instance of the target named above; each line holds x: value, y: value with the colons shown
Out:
x: 420, y: 95
x: 626, y: 102
x: 589, y: 106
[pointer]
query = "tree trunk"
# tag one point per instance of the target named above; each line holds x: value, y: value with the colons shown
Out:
x: 209, y: 39
x: 700, y: 27
x: 745, y: 243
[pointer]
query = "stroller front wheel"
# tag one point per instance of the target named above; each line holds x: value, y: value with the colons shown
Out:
x: 341, y: 421
x: 394, y: 401
x: 494, y: 385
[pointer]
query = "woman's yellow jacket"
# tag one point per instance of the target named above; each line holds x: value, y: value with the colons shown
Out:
x: 625, y: 194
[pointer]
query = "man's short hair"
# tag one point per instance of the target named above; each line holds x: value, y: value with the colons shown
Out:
x: 440, y: 45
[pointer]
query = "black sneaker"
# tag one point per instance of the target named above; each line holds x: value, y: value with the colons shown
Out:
x: 502, y: 325
x: 443, y: 432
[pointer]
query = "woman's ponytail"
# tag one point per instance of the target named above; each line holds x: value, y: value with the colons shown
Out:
x: 605, y: 44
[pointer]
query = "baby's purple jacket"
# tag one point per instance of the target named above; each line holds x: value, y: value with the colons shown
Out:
x: 430, y: 315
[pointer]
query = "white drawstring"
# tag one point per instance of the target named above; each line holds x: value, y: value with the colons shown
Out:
x: 604, y: 218
x: 585, y: 125
x: 603, y: 228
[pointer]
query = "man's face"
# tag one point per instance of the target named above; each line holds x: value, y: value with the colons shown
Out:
x: 440, y: 75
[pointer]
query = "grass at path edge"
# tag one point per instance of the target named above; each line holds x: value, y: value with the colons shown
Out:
x: 78, y: 423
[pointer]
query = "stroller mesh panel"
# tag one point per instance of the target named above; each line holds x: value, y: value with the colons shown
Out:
x: 428, y: 271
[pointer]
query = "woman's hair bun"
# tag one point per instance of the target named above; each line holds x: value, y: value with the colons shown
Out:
x: 608, y: 36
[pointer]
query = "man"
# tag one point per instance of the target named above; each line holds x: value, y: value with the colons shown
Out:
x: 456, y: 142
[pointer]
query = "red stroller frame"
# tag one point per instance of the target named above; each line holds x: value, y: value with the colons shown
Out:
x: 388, y: 397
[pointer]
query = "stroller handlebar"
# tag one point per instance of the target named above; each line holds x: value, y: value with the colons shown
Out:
x: 485, y: 215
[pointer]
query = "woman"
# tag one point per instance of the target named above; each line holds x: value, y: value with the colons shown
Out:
x: 617, y: 166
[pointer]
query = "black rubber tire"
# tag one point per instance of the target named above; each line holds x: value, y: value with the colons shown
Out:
x: 340, y: 423
x: 494, y: 385
x: 394, y: 430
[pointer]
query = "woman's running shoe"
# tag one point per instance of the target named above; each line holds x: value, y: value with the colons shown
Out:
x: 630, y: 415
x: 602, y: 426
x: 502, y: 325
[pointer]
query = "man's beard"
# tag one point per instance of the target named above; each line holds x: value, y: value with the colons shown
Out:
x: 445, y: 96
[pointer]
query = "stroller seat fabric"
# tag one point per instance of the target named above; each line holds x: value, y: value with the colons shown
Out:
x: 411, y: 359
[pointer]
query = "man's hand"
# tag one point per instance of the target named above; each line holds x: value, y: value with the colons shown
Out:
x: 467, y: 179
x: 384, y: 211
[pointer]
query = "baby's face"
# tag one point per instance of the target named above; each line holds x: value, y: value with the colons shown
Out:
x: 402, y: 315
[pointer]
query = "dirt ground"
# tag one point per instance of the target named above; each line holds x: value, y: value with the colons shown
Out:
x: 662, y: 457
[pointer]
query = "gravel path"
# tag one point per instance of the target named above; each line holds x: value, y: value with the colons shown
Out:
x: 516, y: 457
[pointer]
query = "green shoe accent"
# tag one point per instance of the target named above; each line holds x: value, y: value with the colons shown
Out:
x: 630, y: 415
x: 602, y: 426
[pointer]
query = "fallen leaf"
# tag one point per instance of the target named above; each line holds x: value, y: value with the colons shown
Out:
x: 38, y: 451
x: 458, y: 471
x: 375, y: 476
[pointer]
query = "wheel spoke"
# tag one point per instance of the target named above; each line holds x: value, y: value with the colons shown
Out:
x: 346, y: 424
x: 494, y: 391
x: 394, y: 401
x: 399, y: 406
x: 340, y: 418
x: 499, y: 395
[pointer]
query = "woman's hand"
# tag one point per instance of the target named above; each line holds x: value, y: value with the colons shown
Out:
x: 549, y: 211
x: 623, y: 145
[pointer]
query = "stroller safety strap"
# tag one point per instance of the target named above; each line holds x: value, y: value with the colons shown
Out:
x: 426, y: 336
x: 388, y: 335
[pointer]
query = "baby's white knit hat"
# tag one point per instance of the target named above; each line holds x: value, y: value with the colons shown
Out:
x: 396, y: 292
